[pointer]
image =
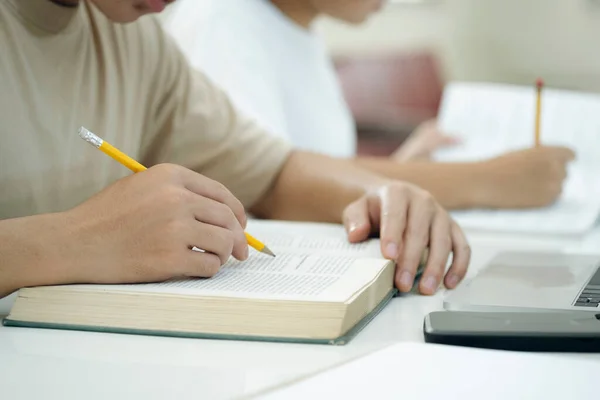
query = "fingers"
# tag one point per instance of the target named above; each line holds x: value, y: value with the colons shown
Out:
x: 212, y: 239
x: 557, y: 173
x: 431, y: 129
x: 566, y: 154
x: 420, y: 214
x: 412, y: 224
x: 569, y: 154
x: 393, y: 221
x: 210, y: 203
x: 461, y: 257
x: 446, y: 140
x: 356, y: 220
x: 201, y: 265
x: 440, y: 246
x: 560, y: 171
x: 218, y: 192
x: 206, y: 187
x: 560, y: 153
x: 218, y: 214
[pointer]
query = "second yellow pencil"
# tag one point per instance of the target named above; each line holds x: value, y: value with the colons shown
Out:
x: 538, y: 111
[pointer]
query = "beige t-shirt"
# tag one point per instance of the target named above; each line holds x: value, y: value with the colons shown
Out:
x: 62, y: 68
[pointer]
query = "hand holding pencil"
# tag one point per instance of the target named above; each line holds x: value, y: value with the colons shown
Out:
x: 215, y: 217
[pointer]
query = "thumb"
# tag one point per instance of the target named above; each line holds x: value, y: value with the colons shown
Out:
x: 451, y: 140
x: 356, y: 221
x: 445, y: 139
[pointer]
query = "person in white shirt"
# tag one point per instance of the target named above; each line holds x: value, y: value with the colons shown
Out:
x: 267, y: 56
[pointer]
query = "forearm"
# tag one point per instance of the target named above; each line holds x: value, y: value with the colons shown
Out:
x: 313, y: 187
x: 454, y: 185
x: 27, y: 254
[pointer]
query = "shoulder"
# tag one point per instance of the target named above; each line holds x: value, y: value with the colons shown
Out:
x: 216, y: 25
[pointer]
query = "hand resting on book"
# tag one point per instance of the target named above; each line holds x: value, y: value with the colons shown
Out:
x: 410, y: 222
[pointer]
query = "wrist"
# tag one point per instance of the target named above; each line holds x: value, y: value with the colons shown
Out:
x: 483, y: 190
x: 33, y: 252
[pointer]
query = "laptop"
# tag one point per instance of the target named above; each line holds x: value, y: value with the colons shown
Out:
x: 530, y: 282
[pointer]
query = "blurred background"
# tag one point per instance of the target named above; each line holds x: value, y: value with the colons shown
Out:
x: 393, y: 68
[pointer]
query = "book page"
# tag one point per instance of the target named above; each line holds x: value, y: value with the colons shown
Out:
x: 290, y: 276
x: 312, y: 238
x: 287, y: 243
x: 313, y: 262
x: 494, y: 119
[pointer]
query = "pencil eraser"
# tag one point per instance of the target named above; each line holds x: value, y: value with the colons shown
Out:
x: 539, y: 82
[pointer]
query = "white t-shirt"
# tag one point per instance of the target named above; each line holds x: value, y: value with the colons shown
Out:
x: 274, y: 70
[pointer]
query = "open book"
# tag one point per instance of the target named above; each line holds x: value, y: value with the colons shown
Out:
x: 492, y: 119
x: 318, y: 288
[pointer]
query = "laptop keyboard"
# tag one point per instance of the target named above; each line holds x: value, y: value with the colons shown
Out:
x: 590, y: 296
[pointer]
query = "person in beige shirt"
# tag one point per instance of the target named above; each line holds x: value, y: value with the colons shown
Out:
x: 70, y: 214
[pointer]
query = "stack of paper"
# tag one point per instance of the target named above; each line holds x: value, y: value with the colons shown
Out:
x: 492, y: 119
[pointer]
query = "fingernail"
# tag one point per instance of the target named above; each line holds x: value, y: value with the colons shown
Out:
x: 430, y: 283
x: 406, y: 279
x: 453, y: 280
x: 246, y: 252
x: 391, y: 250
x: 352, y: 227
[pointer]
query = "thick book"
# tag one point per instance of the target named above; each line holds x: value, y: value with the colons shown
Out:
x: 318, y: 289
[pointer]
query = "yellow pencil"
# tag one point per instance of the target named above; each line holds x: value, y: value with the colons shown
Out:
x: 135, y: 166
x: 538, y: 111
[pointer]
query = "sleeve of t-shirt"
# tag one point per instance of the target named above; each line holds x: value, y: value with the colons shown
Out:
x: 224, y: 46
x: 197, y: 126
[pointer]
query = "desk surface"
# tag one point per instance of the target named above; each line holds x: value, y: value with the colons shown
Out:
x: 73, y: 365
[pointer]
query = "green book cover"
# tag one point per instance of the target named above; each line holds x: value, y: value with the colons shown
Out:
x: 342, y: 340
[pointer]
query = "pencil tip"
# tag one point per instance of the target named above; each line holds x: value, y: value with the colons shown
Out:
x: 267, y: 251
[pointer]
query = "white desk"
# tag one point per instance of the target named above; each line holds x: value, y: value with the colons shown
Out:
x: 64, y: 365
